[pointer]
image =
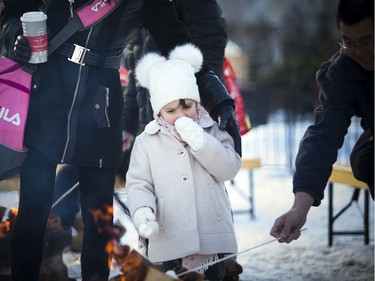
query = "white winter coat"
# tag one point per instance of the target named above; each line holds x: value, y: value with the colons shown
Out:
x: 186, y: 191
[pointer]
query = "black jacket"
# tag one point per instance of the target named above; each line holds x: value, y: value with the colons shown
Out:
x: 75, y: 111
x: 346, y: 90
x: 206, y: 27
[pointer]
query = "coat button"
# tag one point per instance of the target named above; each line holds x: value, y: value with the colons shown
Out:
x: 97, y: 106
x: 184, y: 179
x: 182, y: 153
x: 34, y: 86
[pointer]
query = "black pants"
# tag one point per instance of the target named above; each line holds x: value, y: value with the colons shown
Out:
x: 69, y: 207
x: 36, y: 193
x: 215, y: 272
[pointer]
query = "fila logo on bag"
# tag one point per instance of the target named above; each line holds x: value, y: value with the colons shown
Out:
x: 96, y: 7
x: 14, y: 119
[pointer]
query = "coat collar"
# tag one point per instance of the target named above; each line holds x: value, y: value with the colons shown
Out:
x: 353, y: 71
x: 153, y: 127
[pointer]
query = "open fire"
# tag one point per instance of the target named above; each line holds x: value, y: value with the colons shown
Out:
x: 132, y: 265
x: 6, y: 221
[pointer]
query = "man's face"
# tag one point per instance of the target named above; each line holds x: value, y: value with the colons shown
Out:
x: 359, y: 39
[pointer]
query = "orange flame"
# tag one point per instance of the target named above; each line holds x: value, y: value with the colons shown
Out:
x: 103, y: 214
x: 103, y: 218
x: 5, y: 226
x: 109, y: 251
x: 13, y: 212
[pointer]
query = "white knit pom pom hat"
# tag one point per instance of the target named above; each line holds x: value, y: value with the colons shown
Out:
x: 170, y: 79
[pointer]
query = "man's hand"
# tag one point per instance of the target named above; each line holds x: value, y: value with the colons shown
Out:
x: 127, y: 139
x: 287, y: 227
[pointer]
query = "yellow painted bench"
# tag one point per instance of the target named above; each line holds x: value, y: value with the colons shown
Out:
x: 13, y: 183
x: 249, y: 164
x: 343, y: 174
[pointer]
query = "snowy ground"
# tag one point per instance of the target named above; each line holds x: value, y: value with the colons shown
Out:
x: 309, y: 257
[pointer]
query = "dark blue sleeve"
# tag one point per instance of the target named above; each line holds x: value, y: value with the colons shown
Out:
x: 321, y: 141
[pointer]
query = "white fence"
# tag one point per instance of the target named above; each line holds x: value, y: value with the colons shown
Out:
x: 276, y: 142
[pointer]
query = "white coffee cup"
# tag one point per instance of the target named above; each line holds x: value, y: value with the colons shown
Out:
x: 34, y: 26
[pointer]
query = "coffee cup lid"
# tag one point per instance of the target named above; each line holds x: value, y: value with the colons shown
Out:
x: 33, y: 17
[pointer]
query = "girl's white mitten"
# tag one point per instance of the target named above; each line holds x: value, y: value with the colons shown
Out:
x: 146, y: 229
x: 191, y: 132
x: 145, y: 221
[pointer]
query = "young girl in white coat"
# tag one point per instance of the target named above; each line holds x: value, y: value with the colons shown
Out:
x: 178, y: 166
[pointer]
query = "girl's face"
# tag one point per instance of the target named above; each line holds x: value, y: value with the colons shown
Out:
x: 179, y: 108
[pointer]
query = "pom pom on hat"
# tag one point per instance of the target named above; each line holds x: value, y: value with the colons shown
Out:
x: 170, y: 79
x: 188, y: 53
x: 144, y: 66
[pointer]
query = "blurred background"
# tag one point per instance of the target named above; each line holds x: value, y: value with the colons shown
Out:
x: 276, y: 47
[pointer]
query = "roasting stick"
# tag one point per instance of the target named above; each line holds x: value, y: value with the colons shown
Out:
x: 232, y: 255
x: 65, y: 194
x: 199, y: 267
x: 123, y: 206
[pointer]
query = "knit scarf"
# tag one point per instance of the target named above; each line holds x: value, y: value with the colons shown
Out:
x: 172, y: 129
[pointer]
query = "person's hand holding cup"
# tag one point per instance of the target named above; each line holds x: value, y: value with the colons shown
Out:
x: 34, y: 26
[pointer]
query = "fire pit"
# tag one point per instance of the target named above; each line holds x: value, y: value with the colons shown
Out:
x: 130, y: 264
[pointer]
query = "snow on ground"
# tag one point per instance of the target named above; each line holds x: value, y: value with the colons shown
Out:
x: 308, y: 258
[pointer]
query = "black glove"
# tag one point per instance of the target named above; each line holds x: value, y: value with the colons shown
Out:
x: 228, y: 121
x: 219, y: 104
x: 22, y: 50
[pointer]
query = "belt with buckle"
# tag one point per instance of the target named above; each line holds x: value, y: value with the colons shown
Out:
x: 83, y: 56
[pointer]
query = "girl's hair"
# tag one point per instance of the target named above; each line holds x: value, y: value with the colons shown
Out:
x: 183, y: 103
x: 353, y: 11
